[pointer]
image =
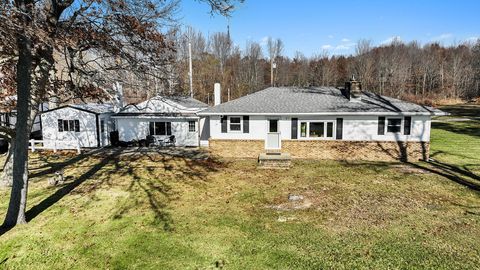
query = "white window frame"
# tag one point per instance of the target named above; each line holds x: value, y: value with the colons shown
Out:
x: 307, y: 137
x: 70, y: 128
x: 386, y: 125
x: 194, y: 126
x: 241, y: 124
x: 166, y: 128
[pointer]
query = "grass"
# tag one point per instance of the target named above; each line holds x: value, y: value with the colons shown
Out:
x: 156, y: 211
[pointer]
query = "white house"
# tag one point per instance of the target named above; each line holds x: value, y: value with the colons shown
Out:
x: 8, y: 116
x: 88, y: 125
x: 161, y: 117
x: 320, y: 123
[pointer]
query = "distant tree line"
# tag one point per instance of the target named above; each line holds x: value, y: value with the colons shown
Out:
x: 410, y: 71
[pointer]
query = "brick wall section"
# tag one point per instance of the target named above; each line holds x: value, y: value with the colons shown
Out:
x: 237, y: 148
x: 323, y: 149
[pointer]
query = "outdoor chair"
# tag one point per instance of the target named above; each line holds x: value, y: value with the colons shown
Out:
x: 153, y: 141
x: 170, y: 141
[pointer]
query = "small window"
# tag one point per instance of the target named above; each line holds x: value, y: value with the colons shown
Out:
x: 191, y: 126
x: 394, y: 125
x: 317, y: 130
x: 273, y: 125
x: 303, y: 129
x: 235, y: 124
x: 68, y: 125
x: 329, y: 129
x: 102, y: 126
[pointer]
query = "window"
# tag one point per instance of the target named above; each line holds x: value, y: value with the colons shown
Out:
x: 102, y: 126
x: 235, y: 123
x: 316, y: 130
x: 273, y: 125
x: 303, y: 129
x: 191, y: 126
x: 394, y: 125
x: 160, y: 128
x: 68, y: 125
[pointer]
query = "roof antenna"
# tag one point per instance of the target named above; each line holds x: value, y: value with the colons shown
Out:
x: 190, y: 72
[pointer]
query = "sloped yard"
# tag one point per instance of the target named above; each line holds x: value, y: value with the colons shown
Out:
x: 150, y: 210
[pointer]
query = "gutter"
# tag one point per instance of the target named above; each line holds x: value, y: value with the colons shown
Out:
x: 440, y: 113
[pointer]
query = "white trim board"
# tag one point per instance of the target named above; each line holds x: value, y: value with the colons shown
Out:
x: 329, y: 113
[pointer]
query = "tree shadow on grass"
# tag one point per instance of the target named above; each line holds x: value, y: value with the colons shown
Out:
x: 463, y: 110
x: 51, y: 167
x: 458, y: 174
x: 178, y: 166
x: 467, y: 128
x: 66, y: 189
x: 188, y: 166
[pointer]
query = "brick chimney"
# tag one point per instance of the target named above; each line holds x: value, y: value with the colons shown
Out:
x: 353, y: 89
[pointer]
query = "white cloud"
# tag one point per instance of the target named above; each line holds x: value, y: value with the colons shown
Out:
x: 345, y: 40
x: 327, y: 47
x: 472, y: 39
x: 330, y: 36
x: 341, y: 48
x: 264, y: 40
x: 345, y: 46
x: 390, y: 40
x: 443, y: 37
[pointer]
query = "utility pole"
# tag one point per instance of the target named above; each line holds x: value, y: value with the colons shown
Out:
x: 190, y: 73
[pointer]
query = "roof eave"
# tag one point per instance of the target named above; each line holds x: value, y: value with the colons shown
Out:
x: 321, y: 113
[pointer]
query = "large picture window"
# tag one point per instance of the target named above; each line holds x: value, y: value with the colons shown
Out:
x: 316, y: 129
x: 160, y: 128
x: 394, y: 125
x: 235, y: 123
x: 68, y: 125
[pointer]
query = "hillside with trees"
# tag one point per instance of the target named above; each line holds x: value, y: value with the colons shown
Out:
x: 428, y: 74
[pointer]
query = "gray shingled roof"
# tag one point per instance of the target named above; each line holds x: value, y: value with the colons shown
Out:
x: 285, y: 100
x: 187, y: 102
x: 94, y: 107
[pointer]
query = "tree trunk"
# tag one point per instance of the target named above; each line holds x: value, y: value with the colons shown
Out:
x: 8, y: 167
x: 18, y: 198
x: 7, y: 173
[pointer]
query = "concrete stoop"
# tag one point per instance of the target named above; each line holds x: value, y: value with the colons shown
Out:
x: 274, y: 160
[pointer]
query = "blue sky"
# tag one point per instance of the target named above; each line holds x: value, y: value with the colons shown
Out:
x: 312, y: 26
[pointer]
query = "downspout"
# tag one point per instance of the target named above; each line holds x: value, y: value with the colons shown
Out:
x: 198, y: 131
x: 98, y: 130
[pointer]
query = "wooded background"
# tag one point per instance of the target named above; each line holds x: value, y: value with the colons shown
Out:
x: 426, y: 74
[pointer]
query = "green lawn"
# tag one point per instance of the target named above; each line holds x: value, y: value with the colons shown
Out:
x: 156, y: 211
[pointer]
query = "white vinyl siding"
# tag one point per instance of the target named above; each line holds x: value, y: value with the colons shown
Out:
x: 355, y: 128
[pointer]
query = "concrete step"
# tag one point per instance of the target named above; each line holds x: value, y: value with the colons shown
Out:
x: 274, y: 160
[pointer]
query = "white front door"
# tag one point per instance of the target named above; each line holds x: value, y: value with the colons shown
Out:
x: 273, y: 141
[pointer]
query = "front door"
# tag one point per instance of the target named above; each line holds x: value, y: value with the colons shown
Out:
x: 273, y: 135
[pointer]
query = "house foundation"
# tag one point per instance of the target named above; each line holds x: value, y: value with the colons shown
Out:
x: 326, y: 149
